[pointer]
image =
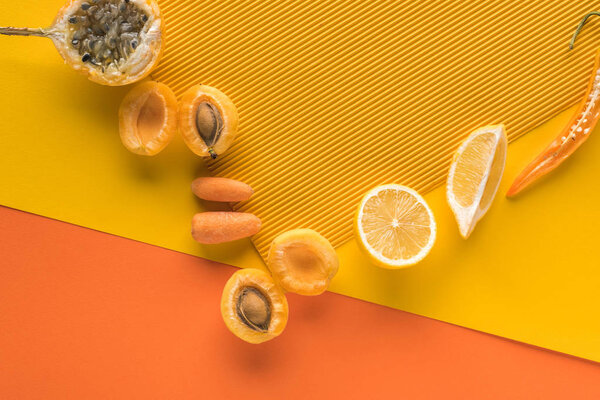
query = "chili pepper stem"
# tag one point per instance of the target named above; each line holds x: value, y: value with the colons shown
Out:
x: 580, y: 27
x: 11, y: 31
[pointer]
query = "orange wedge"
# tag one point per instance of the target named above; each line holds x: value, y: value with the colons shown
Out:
x: 394, y: 226
x: 475, y: 175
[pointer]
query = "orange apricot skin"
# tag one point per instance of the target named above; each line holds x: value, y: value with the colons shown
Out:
x: 188, y: 107
x: 221, y: 226
x: 279, y: 305
x: 129, y: 112
x: 221, y: 189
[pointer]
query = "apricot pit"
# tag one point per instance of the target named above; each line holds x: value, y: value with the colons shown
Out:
x: 253, y: 307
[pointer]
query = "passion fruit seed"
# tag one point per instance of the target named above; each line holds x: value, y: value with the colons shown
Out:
x: 254, y: 309
x: 209, y: 124
x: 106, y: 32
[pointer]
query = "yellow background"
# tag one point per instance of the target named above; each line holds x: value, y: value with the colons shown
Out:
x: 529, y: 272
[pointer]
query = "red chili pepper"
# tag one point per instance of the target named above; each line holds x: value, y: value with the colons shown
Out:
x: 574, y: 134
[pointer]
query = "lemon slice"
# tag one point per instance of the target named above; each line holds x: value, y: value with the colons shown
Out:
x: 475, y: 175
x: 394, y: 226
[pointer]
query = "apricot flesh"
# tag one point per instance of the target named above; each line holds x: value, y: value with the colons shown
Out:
x: 148, y: 118
x: 302, y: 261
x: 253, y: 306
x: 208, y: 120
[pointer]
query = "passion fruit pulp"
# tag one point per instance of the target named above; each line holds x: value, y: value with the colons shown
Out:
x: 113, y: 42
x: 208, y: 120
x: 253, y: 307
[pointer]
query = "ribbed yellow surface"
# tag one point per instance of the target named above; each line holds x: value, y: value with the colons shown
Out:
x: 336, y: 97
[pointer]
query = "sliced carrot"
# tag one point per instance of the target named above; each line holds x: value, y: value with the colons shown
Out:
x: 221, y: 227
x: 221, y: 189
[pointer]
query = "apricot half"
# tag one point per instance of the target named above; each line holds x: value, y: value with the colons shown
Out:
x: 253, y: 307
x: 148, y: 118
x: 302, y: 261
x: 208, y: 120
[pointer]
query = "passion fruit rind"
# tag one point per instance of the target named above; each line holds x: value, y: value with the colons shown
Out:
x: 114, y: 42
x: 253, y: 306
x: 303, y: 262
x: 208, y: 120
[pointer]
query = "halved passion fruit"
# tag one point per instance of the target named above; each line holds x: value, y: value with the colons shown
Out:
x: 208, y: 120
x: 113, y: 42
x: 253, y: 307
x: 302, y: 261
x: 148, y: 118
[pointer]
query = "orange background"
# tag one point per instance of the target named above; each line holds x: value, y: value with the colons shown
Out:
x: 84, y: 314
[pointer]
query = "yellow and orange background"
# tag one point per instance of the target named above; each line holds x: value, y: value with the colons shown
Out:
x: 113, y: 315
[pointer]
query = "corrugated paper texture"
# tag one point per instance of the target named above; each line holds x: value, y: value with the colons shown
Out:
x: 336, y: 97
